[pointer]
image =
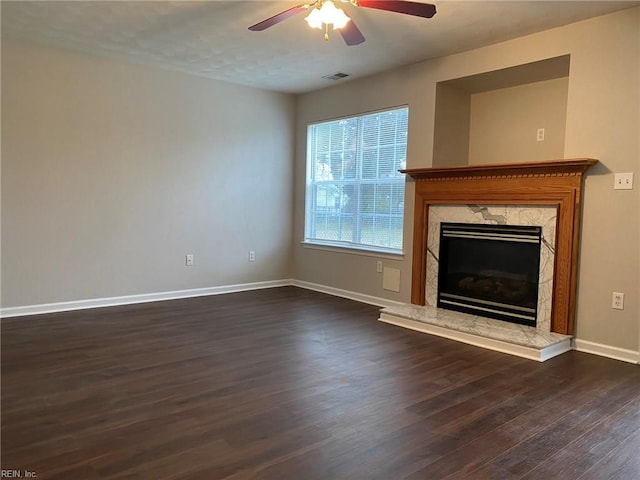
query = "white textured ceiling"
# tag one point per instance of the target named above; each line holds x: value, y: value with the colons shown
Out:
x: 211, y: 39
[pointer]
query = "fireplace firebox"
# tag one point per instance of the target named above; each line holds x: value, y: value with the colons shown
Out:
x: 490, y: 270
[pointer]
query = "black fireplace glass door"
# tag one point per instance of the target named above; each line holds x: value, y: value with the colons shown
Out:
x: 490, y: 270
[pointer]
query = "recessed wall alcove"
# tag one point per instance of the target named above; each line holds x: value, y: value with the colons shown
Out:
x: 488, y: 156
x: 494, y: 117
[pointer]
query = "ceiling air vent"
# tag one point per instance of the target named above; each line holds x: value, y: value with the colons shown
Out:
x: 336, y: 76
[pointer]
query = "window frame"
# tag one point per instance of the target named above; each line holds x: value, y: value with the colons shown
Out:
x: 391, y: 181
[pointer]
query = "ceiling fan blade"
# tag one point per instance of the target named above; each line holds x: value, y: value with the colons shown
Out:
x: 271, y: 21
x: 425, y: 10
x: 351, y: 34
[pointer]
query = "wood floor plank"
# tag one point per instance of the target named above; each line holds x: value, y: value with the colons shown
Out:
x: 623, y: 463
x: 286, y: 383
x: 589, y: 449
x: 550, y: 440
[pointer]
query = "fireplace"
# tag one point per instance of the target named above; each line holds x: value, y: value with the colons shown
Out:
x: 490, y: 270
x: 555, y: 184
x: 533, y: 203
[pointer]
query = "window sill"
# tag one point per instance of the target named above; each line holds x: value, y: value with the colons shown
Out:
x: 367, y: 252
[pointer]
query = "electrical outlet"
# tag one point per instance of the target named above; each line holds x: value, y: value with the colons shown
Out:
x: 623, y: 181
x: 617, y: 301
x: 540, y: 135
x: 252, y: 256
x: 189, y: 260
x: 379, y: 266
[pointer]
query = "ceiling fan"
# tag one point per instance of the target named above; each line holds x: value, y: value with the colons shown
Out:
x: 324, y: 12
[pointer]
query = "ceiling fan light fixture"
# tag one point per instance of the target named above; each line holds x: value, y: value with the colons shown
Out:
x: 328, y: 14
x: 314, y: 19
x: 323, y: 13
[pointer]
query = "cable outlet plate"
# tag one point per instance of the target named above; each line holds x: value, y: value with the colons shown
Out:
x: 188, y: 260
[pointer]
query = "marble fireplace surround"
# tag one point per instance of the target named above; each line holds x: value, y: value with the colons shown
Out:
x: 547, y: 193
x: 497, y: 215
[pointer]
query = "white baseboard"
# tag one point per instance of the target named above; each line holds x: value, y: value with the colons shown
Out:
x: 143, y: 298
x: 616, y: 353
x: 338, y: 292
x: 196, y: 292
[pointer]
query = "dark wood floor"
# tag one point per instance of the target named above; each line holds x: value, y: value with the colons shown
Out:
x: 292, y: 384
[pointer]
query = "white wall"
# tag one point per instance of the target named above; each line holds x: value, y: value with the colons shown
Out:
x: 603, y: 120
x: 112, y: 172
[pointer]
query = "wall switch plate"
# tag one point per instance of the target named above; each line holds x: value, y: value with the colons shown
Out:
x: 189, y: 260
x: 252, y: 256
x: 623, y: 181
x: 540, y: 135
x: 379, y: 266
x: 617, y: 301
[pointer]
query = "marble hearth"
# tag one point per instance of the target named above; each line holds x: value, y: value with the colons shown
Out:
x: 520, y: 340
x: 546, y: 194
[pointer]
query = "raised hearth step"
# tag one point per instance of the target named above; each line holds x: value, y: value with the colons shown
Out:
x: 520, y: 340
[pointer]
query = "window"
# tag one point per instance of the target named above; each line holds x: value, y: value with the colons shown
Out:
x: 355, y: 194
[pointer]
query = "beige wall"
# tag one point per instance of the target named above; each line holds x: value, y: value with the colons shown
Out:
x: 451, y: 127
x: 504, y: 123
x: 603, y: 120
x: 112, y: 172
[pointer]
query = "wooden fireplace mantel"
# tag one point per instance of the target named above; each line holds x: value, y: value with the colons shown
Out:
x: 550, y: 183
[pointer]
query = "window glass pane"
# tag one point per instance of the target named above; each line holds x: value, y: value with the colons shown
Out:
x: 347, y: 168
x: 388, y: 130
x: 370, y: 163
x: 383, y: 199
x: 370, y: 131
x: 322, y: 138
x: 387, y: 164
x: 367, y: 198
x: 356, y: 194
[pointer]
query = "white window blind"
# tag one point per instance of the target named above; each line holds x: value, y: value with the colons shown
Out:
x: 354, y: 193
